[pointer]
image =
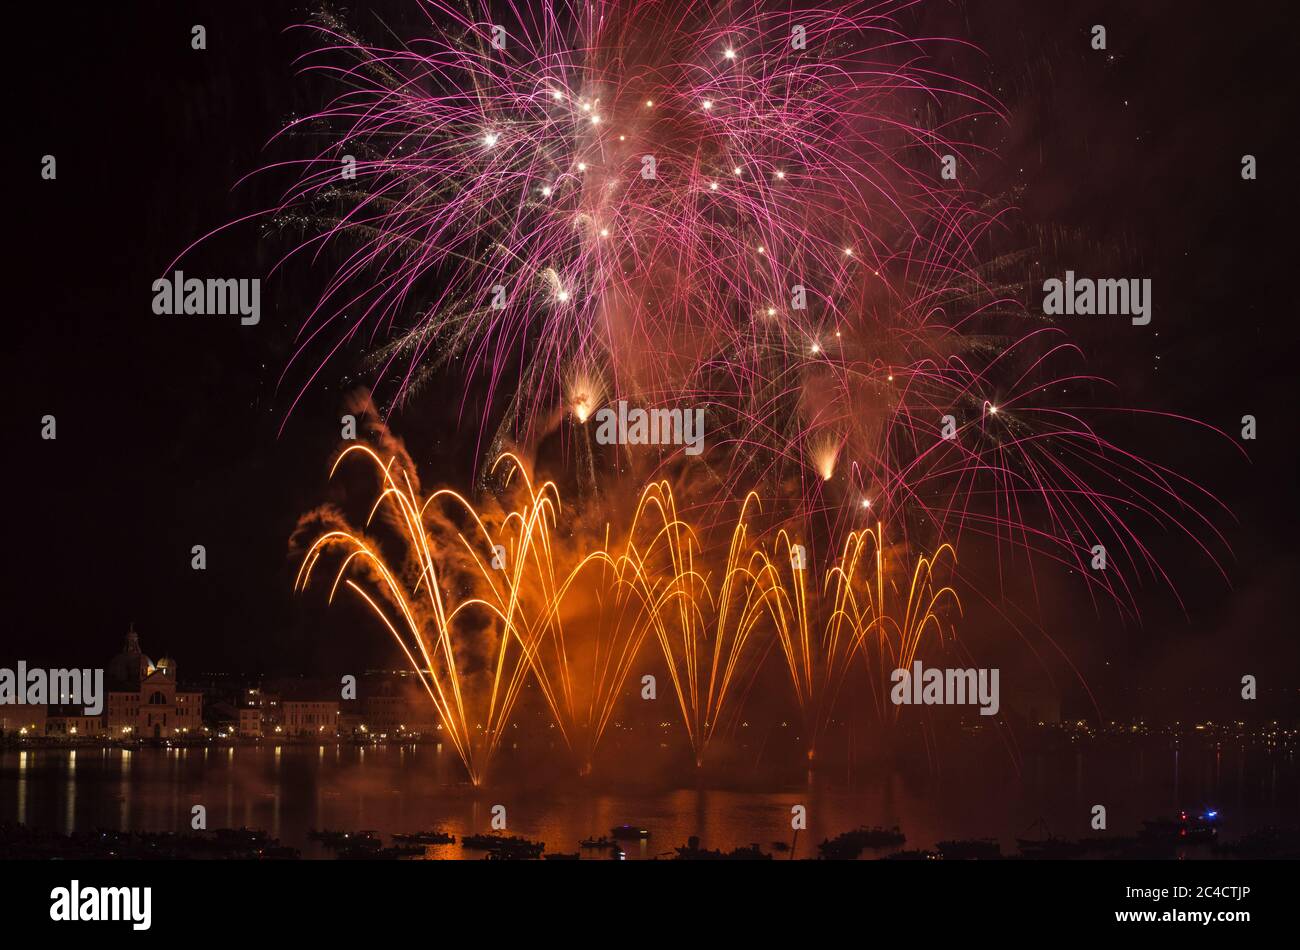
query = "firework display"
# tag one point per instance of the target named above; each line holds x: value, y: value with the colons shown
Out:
x: 660, y: 204
x: 656, y: 582
x: 665, y: 430
x: 740, y: 215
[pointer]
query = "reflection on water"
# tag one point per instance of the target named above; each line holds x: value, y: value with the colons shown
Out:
x: 288, y: 790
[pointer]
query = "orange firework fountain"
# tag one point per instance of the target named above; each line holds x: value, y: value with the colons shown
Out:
x: 859, y: 621
x: 427, y: 629
x: 703, y: 638
x: 535, y: 596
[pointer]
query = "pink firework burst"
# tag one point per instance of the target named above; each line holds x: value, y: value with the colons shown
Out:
x: 740, y: 206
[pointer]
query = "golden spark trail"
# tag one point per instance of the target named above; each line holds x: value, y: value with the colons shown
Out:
x: 857, y: 622
x: 577, y: 622
x: 703, y: 639
x: 427, y: 626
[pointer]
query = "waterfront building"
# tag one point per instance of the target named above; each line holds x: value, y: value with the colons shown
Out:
x: 143, y: 701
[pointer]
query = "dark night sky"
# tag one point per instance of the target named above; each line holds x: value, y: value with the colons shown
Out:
x: 168, y: 427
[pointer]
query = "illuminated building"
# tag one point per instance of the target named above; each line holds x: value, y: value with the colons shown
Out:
x: 143, y: 699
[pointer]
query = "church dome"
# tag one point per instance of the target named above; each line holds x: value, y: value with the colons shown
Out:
x: 130, y: 666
